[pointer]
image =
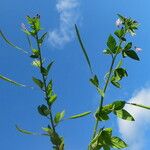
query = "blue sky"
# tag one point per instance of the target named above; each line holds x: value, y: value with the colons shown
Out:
x: 96, y: 20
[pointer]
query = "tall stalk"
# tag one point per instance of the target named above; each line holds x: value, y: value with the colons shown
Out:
x: 47, y: 87
x: 44, y: 81
x: 106, y: 85
x: 102, y: 137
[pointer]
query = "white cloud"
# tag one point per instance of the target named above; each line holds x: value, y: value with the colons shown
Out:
x: 137, y: 134
x: 68, y: 16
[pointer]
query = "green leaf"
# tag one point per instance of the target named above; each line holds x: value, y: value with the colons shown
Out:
x: 124, y: 54
x: 36, y: 53
x: 44, y: 71
x: 96, y: 143
x: 119, y: 73
x: 116, y: 84
x: 35, y: 23
x: 83, y: 48
x: 36, y: 63
x: 118, y: 143
x: 101, y: 116
x: 38, y: 82
x: 61, y: 147
x: 123, y: 114
x: 43, y: 110
x: 132, y: 54
x: 117, y: 105
x: 80, y: 115
x: 33, y: 56
x: 111, y: 43
x: 118, y: 49
x: 123, y: 39
x: 106, y: 136
x: 107, y: 108
x: 140, y: 105
x: 41, y: 40
x: 11, y: 44
x: 48, y: 130
x: 55, y: 139
x: 121, y: 17
x: 119, y: 33
x: 95, y: 81
x: 49, y: 66
x: 105, y: 147
x: 128, y: 46
x: 102, y: 139
x: 119, y: 64
x: 49, y: 88
x: 24, y: 131
x: 59, y: 116
x: 52, y: 99
x: 101, y: 92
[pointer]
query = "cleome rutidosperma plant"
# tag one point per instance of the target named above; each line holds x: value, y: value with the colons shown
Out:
x: 117, y: 44
x: 117, y: 47
x: 33, y: 32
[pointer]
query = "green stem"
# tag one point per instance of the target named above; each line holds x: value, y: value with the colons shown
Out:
x: 102, y: 98
x: 45, y: 86
x: 105, y: 88
x: 44, y: 81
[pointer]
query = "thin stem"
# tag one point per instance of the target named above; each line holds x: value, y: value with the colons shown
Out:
x: 45, y: 86
x: 44, y: 81
x: 105, y: 88
x: 102, y: 98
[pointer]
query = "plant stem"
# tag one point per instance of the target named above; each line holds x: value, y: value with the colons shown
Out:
x: 45, y: 86
x: 102, y: 98
x: 44, y: 80
x: 105, y: 88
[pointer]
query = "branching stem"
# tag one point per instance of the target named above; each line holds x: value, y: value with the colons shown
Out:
x: 105, y: 87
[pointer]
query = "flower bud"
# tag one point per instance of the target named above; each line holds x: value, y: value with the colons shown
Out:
x: 118, y: 22
x: 23, y: 26
x: 138, y: 49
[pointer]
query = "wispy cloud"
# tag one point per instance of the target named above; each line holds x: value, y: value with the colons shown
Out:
x: 137, y: 133
x: 68, y: 16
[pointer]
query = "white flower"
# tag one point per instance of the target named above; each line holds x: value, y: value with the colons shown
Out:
x: 118, y: 22
x: 138, y: 49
